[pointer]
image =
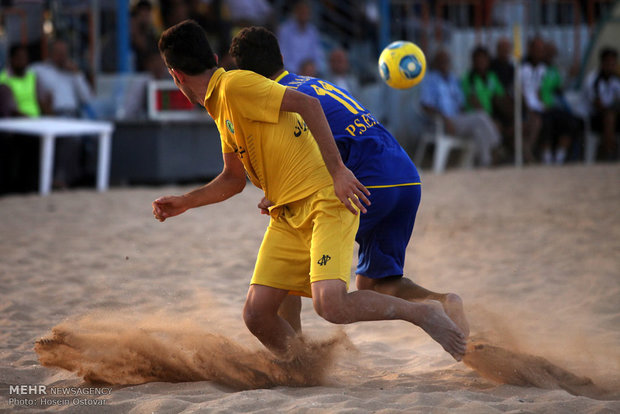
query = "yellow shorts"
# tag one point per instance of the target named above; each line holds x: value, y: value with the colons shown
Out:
x: 307, y: 240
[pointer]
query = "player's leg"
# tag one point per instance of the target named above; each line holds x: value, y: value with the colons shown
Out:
x: 282, y: 266
x: 260, y: 314
x: 405, y: 288
x: 383, y: 238
x: 333, y: 235
x: 333, y: 303
x: 290, y: 310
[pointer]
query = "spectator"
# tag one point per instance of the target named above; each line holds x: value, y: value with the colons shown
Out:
x: 481, y: 86
x: 532, y: 71
x: 8, y: 107
x: 61, y: 78
x: 308, y: 68
x: 484, y: 91
x: 551, y: 84
x: 19, y: 96
x: 173, y: 11
x: 245, y: 13
x: 603, y: 95
x: 143, y: 34
x: 24, y: 85
x: 71, y: 95
x: 549, y: 124
x: 299, y: 40
x: 154, y: 65
x: 214, y: 18
x: 442, y: 96
x: 340, y: 72
x: 502, y: 64
x: 560, y: 126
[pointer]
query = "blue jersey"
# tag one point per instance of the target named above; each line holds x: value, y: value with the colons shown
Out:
x: 366, y: 147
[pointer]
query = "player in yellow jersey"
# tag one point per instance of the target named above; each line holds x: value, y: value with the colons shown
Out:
x: 281, y: 139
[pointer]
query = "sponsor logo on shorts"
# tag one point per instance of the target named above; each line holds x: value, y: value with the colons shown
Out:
x: 323, y: 260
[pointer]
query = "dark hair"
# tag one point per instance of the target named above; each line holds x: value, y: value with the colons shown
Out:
x: 185, y: 47
x: 16, y: 48
x: 607, y: 52
x: 257, y: 49
x: 479, y: 50
x: 141, y: 4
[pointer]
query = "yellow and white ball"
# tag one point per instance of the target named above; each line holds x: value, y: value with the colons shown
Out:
x: 402, y: 64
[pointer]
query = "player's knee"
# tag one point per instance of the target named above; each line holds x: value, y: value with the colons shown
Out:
x: 251, y: 317
x: 332, y: 311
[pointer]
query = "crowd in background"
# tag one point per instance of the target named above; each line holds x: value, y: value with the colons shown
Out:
x: 476, y: 103
x: 479, y: 103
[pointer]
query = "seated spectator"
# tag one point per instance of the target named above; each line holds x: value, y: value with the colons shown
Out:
x: 481, y: 86
x: 143, y: 34
x: 215, y: 19
x: 441, y: 95
x: 8, y: 107
x: 560, y: 126
x: 603, y: 94
x: 19, y: 96
x: 62, y: 79
x: 502, y: 64
x: 299, y: 40
x: 155, y: 66
x: 244, y: 13
x: 340, y: 72
x: 71, y: 96
x: 173, y: 12
x: 532, y: 71
x: 484, y: 91
x: 550, y: 125
x: 24, y: 85
x: 308, y: 68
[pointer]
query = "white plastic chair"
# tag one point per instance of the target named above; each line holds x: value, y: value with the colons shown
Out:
x: 444, y: 143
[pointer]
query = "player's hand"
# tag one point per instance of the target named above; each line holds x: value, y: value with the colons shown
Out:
x: 264, y: 205
x: 348, y: 189
x: 169, y: 206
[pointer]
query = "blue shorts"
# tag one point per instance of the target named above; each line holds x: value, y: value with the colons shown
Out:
x: 385, y: 230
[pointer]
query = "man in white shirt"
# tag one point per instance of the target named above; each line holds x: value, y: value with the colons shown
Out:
x: 70, y: 93
x: 62, y: 79
x: 603, y: 95
x: 549, y: 127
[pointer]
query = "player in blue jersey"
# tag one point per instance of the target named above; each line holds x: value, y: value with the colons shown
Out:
x: 377, y: 160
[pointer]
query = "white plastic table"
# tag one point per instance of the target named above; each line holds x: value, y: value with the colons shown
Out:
x: 48, y: 129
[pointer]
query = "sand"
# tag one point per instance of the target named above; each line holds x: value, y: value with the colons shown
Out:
x: 155, y: 308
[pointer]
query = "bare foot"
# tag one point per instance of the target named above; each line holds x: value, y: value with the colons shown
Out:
x: 435, y: 322
x: 453, y: 305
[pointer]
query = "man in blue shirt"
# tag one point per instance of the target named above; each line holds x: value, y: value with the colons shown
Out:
x: 300, y: 39
x: 376, y: 159
x: 441, y: 95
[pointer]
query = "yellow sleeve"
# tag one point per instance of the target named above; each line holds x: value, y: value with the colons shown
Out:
x: 226, y: 146
x: 255, y: 97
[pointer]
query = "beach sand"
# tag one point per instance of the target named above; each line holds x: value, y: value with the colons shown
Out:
x: 155, y: 308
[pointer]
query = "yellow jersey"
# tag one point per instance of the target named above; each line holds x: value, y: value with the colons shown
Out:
x: 279, y: 153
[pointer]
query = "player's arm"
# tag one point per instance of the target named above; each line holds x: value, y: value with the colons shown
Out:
x: 346, y: 186
x: 229, y: 182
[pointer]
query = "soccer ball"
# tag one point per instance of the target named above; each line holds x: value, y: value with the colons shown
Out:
x: 402, y: 64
